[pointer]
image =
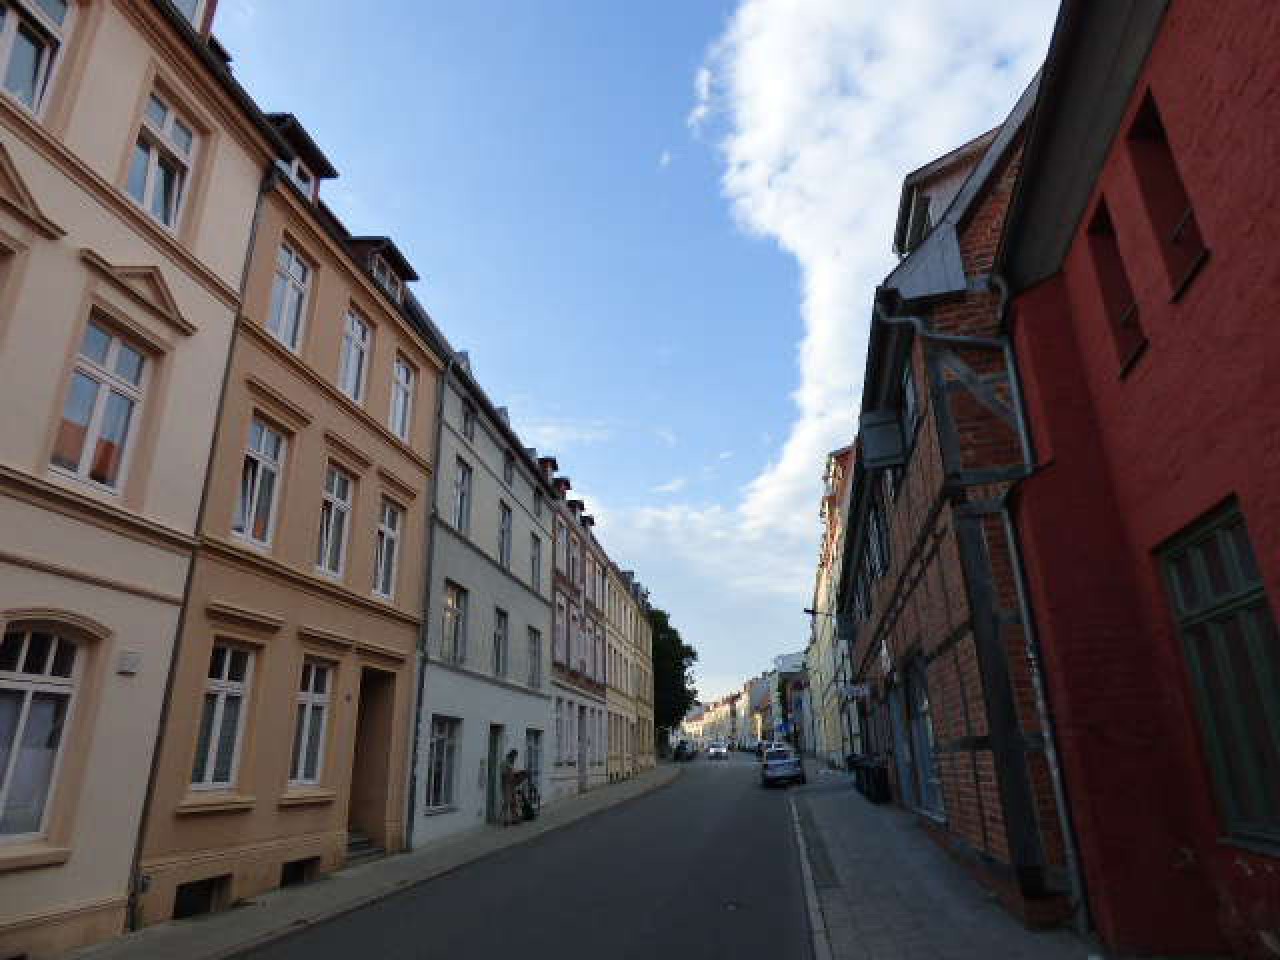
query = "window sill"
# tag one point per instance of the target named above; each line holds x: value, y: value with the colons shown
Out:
x: 305, y: 796
x: 197, y: 803
x: 28, y: 856
x: 439, y: 811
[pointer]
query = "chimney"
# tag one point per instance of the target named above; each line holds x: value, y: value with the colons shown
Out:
x: 463, y: 359
x: 576, y: 506
x: 562, y: 486
x: 588, y: 520
x: 549, y: 468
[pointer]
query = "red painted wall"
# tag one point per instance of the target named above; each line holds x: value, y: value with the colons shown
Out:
x: 1126, y: 462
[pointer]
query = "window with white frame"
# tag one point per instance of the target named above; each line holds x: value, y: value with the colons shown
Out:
x: 453, y: 642
x: 501, y: 642
x: 537, y: 504
x: 106, y: 390
x: 462, y: 496
x: 575, y: 560
x: 312, y: 721
x: 562, y: 547
x: 335, y: 516
x: 533, y: 755
x: 289, y: 297
x: 535, y: 561
x: 255, y: 517
x: 504, y: 535
x: 353, y: 371
x: 37, y: 687
x: 222, y: 721
x: 442, y: 761
x: 469, y: 420
x: 403, y: 379
x: 559, y: 730
x: 387, y: 549
x: 535, y: 658
x: 560, y: 648
x: 160, y: 169
x: 31, y: 35
x: 300, y: 175
x: 387, y: 278
x: 508, y: 469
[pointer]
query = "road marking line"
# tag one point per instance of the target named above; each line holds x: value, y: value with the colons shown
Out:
x: 817, y: 926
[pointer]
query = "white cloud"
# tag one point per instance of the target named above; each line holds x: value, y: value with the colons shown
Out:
x: 664, y: 159
x: 827, y: 105
x: 702, y: 99
x: 666, y: 435
x: 675, y: 485
x: 725, y: 455
x: 559, y: 437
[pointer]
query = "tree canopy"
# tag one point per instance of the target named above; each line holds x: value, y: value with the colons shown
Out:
x: 673, y: 693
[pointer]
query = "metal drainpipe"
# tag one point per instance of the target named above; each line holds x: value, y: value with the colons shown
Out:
x: 136, y: 884
x: 1079, y: 895
x: 432, y: 521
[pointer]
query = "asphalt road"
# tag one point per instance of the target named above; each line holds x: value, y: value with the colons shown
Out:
x: 704, y: 868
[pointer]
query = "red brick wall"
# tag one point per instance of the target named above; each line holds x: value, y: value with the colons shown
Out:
x: 1129, y: 461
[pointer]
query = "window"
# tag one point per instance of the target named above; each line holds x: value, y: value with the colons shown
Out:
x: 312, y: 719
x: 535, y: 561
x: 1113, y: 282
x: 161, y: 163
x: 222, y: 721
x: 537, y: 504
x: 562, y: 547
x: 355, y: 356
x: 575, y: 560
x: 501, y: 642
x: 442, y: 761
x: 462, y: 496
x: 504, y: 535
x: 453, y: 643
x: 106, y: 390
x: 37, y: 685
x: 289, y: 297
x: 335, y: 513
x: 561, y: 630
x: 191, y: 10
x: 30, y: 36
x: 1165, y: 197
x: 255, y: 517
x: 1233, y: 649
x: 469, y: 421
x: 533, y: 755
x: 402, y: 398
x: 300, y: 175
x: 535, y: 658
x: 508, y: 469
x: 910, y: 406
x: 387, y: 549
x: 559, y: 730
x: 387, y: 278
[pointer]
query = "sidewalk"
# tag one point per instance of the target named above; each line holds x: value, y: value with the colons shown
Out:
x: 887, y: 892
x: 274, y: 914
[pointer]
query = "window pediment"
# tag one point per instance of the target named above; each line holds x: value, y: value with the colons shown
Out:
x: 145, y: 286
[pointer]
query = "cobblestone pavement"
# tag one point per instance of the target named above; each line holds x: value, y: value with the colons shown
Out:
x: 887, y: 892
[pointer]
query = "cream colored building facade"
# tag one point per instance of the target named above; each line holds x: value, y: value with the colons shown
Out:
x: 129, y: 175
x: 288, y: 736
x: 824, y: 659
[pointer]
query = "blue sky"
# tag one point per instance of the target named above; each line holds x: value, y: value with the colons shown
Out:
x: 656, y: 227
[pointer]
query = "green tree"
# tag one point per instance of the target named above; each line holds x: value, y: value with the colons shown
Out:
x: 673, y: 694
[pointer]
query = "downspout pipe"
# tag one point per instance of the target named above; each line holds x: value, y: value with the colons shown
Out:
x: 137, y: 883
x: 1081, y: 918
x: 433, y: 520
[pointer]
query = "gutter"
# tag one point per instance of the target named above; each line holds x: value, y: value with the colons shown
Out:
x: 433, y: 520
x: 1081, y: 918
x: 137, y: 883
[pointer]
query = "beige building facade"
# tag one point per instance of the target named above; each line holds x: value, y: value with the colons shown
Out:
x: 288, y: 738
x: 129, y: 175
x: 620, y: 669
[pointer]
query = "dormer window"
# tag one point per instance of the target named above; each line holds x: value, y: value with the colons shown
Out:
x: 191, y: 9
x: 301, y: 176
x: 387, y: 278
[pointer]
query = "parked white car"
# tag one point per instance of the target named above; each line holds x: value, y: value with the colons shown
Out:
x: 718, y: 750
x: 781, y: 766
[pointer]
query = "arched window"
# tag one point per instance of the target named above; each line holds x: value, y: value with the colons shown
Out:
x: 38, y: 671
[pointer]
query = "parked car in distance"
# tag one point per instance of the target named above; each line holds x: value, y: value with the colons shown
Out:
x: 781, y: 766
x: 718, y: 750
x: 684, y: 752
